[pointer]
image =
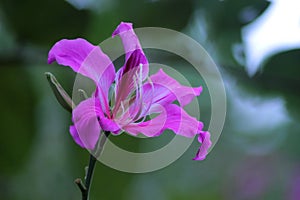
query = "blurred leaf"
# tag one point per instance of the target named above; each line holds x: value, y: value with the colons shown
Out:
x: 225, y: 20
x: 43, y: 21
x: 17, y: 104
x: 7, y: 38
x: 280, y: 75
x: 164, y: 13
x: 173, y: 14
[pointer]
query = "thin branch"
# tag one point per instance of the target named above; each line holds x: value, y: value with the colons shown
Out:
x: 85, y: 188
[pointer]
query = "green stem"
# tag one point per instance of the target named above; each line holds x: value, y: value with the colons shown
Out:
x: 85, y: 188
x: 89, y: 177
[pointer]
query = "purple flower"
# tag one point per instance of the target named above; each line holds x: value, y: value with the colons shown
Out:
x: 134, y: 95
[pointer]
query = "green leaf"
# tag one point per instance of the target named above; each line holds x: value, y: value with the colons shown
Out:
x: 61, y: 95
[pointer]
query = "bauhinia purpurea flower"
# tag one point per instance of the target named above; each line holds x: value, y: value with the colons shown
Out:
x: 135, y: 95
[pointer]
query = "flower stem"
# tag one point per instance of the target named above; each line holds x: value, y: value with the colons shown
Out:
x: 89, y: 177
x: 85, y: 188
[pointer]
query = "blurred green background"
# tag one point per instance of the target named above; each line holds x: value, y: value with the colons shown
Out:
x: 256, y: 157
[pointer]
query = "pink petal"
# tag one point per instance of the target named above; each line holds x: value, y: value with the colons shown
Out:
x: 164, y: 90
x: 136, y: 58
x: 85, y: 119
x: 134, y: 55
x: 129, y: 38
x: 167, y: 90
x: 98, y: 65
x: 171, y: 117
x: 135, y: 64
x: 70, y: 52
x: 88, y: 60
x: 176, y: 119
x: 204, y: 138
x: 151, y: 128
x: 107, y: 124
x: 181, y: 122
x: 75, y: 136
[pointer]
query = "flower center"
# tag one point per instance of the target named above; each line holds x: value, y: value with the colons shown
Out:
x: 138, y: 102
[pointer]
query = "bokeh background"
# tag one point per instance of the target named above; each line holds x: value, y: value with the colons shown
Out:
x: 256, y: 47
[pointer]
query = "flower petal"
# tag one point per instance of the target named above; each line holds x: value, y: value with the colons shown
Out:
x: 129, y: 38
x: 204, y: 138
x: 88, y: 60
x: 135, y: 68
x: 108, y: 124
x: 86, y: 124
x: 89, y: 120
x: 70, y: 52
x: 166, y: 90
x: 150, y: 128
x: 134, y: 55
x: 175, y: 118
x: 75, y: 136
x: 181, y: 122
x: 136, y: 58
x: 130, y: 80
x: 171, y: 117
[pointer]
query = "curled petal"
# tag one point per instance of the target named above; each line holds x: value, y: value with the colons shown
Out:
x: 70, y: 52
x: 134, y: 55
x: 88, y: 60
x: 75, y: 136
x: 86, y: 124
x: 136, y: 58
x: 176, y: 119
x: 89, y: 120
x: 150, y: 128
x: 107, y: 124
x: 135, y: 69
x: 168, y: 90
x: 126, y: 84
x: 204, y: 138
x: 181, y: 122
x: 129, y: 38
x: 170, y: 117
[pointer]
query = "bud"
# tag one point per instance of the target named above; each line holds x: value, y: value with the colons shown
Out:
x: 61, y: 95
